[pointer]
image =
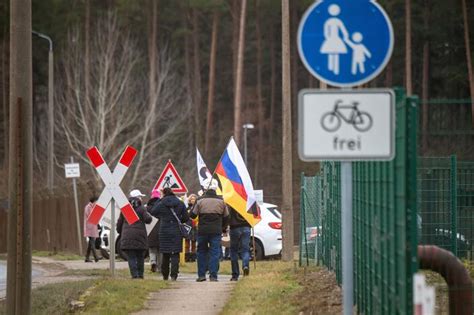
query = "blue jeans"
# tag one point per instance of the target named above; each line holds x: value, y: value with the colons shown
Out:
x: 136, y: 262
x: 208, y: 254
x: 239, y: 244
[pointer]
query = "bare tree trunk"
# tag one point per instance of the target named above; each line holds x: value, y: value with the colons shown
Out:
x: 187, y: 73
x: 187, y: 51
x: 468, y: 56
x: 87, y: 28
x: 239, y: 75
x: 212, y: 81
x: 287, y: 168
x: 152, y: 59
x: 425, y: 80
x: 311, y: 81
x: 261, y: 108
x: 389, y: 75
x: 272, y: 81
x: 235, y: 12
x: 294, y: 63
x: 20, y: 160
x: 5, y: 100
x: 408, y: 73
x: 197, y: 78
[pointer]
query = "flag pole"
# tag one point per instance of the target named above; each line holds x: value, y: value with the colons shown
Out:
x: 254, y: 251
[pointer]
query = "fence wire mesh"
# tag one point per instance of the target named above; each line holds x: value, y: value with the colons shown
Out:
x: 446, y: 204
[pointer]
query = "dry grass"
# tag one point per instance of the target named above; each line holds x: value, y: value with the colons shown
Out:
x: 57, y: 255
x: 191, y: 267
x: 120, y: 295
x: 266, y: 291
x: 55, y: 298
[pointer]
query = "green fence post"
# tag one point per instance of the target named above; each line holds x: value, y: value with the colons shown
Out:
x: 454, y: 206
x: 302, y: 220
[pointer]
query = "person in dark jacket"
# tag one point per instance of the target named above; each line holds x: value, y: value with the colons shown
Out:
x: 213, y: 215
x: 153, y: 237
x: 239, y: 243
x: 133, y: 238
x: 171, y: 240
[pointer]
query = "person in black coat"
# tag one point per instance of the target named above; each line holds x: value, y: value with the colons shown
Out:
x: 153, y: 237
x: 171, y: 240
x: 133, y: 238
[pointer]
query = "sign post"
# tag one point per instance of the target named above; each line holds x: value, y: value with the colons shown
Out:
x: 112, y: 193
x: 346, y: 43
x: 72, y: 170
x: 112, y: 237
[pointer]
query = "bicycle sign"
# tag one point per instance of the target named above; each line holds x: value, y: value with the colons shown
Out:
x: 360, y: 120
x: 346, y: 125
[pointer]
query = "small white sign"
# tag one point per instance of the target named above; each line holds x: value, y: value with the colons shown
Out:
x: 72, y: 170
x: 346, y: 125
x: 259, y: 196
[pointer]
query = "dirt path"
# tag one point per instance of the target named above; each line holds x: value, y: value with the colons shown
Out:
x: 186, y: 296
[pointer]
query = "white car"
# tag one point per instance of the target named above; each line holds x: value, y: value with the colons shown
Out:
x: 268, y: 232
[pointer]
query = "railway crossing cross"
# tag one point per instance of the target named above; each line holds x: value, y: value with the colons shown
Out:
x: 112, y: 181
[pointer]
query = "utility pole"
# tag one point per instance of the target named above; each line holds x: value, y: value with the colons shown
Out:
x: 20, y: 160
x: 287, y: 178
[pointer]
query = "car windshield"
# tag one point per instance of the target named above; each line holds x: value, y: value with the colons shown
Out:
x: 275, y: 212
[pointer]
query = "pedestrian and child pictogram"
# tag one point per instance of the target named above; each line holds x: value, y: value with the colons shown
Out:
x: 345, y: 43
x: 112, y: 182
x: 170, y: 178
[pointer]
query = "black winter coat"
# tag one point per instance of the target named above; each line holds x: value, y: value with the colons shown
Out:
x: 153, y: 237
x: 171, y: 240
x: 134, y: 236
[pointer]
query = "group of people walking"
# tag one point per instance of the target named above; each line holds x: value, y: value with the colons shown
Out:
x: 210, y: 216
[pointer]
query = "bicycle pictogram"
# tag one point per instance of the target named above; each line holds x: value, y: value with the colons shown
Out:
x: 360, y: 120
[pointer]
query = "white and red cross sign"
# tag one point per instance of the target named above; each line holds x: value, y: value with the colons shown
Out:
x: 112, y: 182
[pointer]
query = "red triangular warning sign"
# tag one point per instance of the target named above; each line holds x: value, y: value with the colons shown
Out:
x: 170, y: 178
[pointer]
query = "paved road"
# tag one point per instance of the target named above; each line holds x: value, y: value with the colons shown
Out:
x: 3, y: 275
x: 36, y: 273
x: 186, y: 296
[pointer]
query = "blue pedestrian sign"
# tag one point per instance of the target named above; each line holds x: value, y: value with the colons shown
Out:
x: 345, y: 42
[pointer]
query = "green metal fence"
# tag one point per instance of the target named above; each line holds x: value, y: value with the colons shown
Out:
x: 446, y: 204
x: 384, y: 220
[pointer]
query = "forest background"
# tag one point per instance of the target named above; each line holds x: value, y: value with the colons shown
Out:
x: 160, y: 75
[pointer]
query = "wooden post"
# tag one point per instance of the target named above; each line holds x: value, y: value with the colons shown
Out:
x: 287, y: 167
x: 20, y: 160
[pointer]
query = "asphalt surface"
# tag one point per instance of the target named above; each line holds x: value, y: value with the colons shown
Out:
x: 3, y: 277
x: 186, y: 296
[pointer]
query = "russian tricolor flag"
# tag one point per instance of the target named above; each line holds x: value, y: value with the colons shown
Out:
x: 237, y: 188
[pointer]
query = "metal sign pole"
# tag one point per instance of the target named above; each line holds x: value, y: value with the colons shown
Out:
x: 76, y: 204
x: 346, y: 234
x: 112, y: 237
